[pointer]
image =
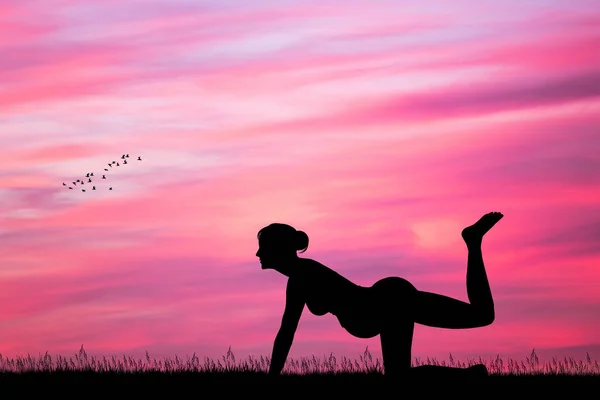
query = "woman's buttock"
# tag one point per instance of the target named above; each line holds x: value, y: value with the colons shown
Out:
x: 394, y: 285
x: 392, y: 294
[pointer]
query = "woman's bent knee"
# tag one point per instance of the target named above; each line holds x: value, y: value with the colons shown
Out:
x: 488, y: 317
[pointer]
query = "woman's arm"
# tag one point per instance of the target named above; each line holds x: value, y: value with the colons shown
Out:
x: 281, y: 349
x: 294, y: 305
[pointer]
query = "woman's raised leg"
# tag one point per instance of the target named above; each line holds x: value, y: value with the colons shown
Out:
x: 441, y: 311
x: 401, y: 305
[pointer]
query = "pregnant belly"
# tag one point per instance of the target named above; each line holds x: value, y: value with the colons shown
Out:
x: 363, y: 314
x: 317, y: 309
x: 360, y: 326
x: 360, y: 318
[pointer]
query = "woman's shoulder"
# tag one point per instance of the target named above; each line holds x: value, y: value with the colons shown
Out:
x: 306, y: 267
x: 312, y: 261
x: 308, y: 264
x: 313, y: 269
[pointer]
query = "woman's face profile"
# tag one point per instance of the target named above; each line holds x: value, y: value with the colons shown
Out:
x: 269, y: 253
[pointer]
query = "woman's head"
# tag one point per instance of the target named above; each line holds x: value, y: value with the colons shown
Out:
x: 279, y: 243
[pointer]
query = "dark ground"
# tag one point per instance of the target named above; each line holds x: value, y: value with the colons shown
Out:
x: 315, y: 386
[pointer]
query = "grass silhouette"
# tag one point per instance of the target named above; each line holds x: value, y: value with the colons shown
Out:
x: 81, y: 368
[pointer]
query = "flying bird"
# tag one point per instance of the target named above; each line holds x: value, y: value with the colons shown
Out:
x: 90, y: 174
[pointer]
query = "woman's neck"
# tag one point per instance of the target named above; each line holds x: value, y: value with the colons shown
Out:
x: 288, y: 267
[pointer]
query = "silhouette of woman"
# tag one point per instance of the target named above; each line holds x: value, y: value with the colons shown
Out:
x: 389, y: 308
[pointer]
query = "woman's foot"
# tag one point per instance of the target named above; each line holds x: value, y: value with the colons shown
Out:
x: 473, y: 235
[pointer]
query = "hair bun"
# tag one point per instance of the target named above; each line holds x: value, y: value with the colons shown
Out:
x: 301, y: 241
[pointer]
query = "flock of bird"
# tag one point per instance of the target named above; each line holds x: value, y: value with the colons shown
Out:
x: 89, y: 175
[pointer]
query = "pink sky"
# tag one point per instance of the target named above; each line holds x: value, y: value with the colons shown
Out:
x: 378, y: 128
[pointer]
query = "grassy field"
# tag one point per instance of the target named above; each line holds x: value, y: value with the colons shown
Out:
x: 45, y: 371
